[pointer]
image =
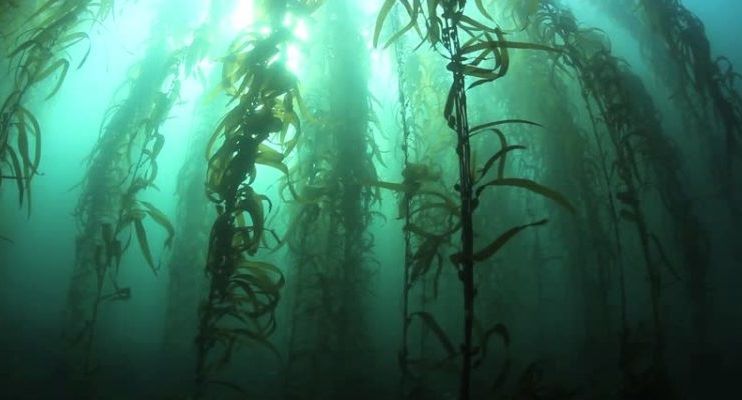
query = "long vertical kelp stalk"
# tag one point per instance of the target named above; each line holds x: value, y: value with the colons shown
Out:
x: 458, y: 120
x: 444, y: 21
x: 244, y: 292
x: 407, y: 143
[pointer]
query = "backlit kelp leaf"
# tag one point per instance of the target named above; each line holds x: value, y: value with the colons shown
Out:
x: 271, y: 158
x: 497, y: 244
x: 45, y: 7
x: 264, y: 276
x: 497, y: 156
x: 483, y: 10
x: 18, y: 174
x: 471, y: 25
x: 429, y: 322
x: 488, y: 126
x: 252, y: 204
x: 531, y: 186
x: 162, y: 220
x: 144, y: 243
x: 35, y: 129
x: 505, y: 44
x: 413, y: 11
x: 386, y: 8
x: 396, y: 187
x: 473, y: 71
x: 71, y: 40
x: 423, y: 258
x: 63, y: 66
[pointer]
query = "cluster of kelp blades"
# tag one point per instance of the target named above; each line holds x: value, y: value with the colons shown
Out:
x: 39, y: 57
x: 244, y: 292
x: 714, y: 79
x: 110, y: 212
x: 439, y: 23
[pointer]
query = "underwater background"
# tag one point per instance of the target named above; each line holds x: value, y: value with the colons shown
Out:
x: 389, y: 199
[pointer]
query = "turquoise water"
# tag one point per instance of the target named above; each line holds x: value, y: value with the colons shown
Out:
x: 348, y: 229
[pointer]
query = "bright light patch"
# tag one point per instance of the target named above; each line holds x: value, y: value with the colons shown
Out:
x: 205, y: 66
x: 242, y: 15
x: 301, y: 31
x: 190, y: 89
x: 293, y: 58
x: 369, y: 7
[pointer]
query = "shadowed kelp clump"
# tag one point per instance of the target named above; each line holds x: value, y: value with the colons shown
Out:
x: 244, y: 291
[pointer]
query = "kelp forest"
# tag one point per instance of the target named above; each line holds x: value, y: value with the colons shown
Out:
x: 390, y: 199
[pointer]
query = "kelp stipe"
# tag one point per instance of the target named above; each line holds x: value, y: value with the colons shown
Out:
x: 443, y: 21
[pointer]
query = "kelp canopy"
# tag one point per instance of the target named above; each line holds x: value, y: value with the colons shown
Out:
x: 402, y: 199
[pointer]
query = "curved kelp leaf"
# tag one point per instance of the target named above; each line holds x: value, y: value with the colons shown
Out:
x: 144, y: 243
x: 531, y: 186
x: 497, y: 244
x: 499, y: 330
x: 429, y: 322
x: 498, y: 156
x: 60, y: 65
x: 162, y: 220
x: 483, y: 127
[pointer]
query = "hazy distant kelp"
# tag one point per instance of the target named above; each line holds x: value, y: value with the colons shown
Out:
x: 639, y: 149
x: 185, y: 267
x: 702, y: 87
x: 329, y: 237
x: 39, y: 56
x: 111, y: 216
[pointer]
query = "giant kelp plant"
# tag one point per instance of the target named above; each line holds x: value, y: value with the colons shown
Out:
x: 409, y: 199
